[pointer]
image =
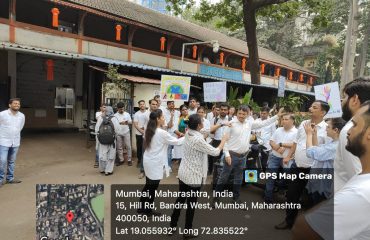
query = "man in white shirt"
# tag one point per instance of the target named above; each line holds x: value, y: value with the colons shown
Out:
x: 351, y: 204
x: 237, y: 147
x: 281, y: 141
x: 265, y: 134
x: 139, y: 121
x: 302, y: 164
x: 101, y: 112
x: 123, y: 133
x: 346, y: 165
x: 11, y: 125
x: 192, y: 106
x: 172, y: 117
x: 153, y: 105
x: 158, y: 99
x: 218, y: 124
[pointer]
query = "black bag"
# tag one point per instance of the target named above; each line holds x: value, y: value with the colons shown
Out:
x: 106, y: 135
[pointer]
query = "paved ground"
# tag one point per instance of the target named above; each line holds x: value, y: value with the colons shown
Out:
x: 63, y: 158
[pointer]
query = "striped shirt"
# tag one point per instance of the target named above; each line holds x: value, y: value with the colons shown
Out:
x: 194, y: 165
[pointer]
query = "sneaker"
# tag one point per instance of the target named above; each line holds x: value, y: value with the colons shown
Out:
x: 141, y: 175
x: 108, y: 173
x: 130, y: 163
x: 96, y: 165
x: 14, y: 181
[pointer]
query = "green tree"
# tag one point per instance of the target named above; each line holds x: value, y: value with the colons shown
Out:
x: 235, y: 14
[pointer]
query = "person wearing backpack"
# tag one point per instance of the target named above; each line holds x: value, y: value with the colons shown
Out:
x: 106, y: 129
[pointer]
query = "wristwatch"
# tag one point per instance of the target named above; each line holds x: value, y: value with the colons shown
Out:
x: 280, y: 144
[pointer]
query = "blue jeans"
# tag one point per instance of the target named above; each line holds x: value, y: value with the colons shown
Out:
x: 237, y: 166
x: 7, y: 156
x: 169, y: 155
x: 273, y: 165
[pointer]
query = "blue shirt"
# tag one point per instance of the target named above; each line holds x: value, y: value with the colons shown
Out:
x: 323, y: 156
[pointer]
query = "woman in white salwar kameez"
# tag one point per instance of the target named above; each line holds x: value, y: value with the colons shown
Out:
x: 155, y: 160
x: 107, y: 153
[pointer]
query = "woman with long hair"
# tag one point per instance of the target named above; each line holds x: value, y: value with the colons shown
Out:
x: 193, y: 168
x: 156, y: 141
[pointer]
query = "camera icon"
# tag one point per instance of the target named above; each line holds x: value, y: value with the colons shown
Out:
x: 251, y: 176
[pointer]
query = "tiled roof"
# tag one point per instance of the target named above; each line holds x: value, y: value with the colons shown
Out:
x: 140, y: 14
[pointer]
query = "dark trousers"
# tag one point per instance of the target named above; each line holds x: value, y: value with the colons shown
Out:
x: 212, y: 159
x: 316, y: 198
x: 150, y: 186
x: 295, y: 189
x: 189, y: 201
x: 139, y: 148
x: 264, y: 159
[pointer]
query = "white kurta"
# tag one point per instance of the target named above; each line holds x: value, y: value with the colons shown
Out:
x: 155, y: 158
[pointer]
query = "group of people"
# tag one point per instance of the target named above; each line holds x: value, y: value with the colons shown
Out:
x: 201, y: 141
x: 317, y: 146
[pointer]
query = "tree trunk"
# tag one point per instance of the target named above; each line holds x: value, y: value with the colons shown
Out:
x: 361, y: 63
x: 350, y: 45
x: 250, y: 26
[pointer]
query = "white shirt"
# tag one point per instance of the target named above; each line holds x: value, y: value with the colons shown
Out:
x: 284, y: 136
x: 240, y: 134
x: 140, y: 119
x: 10, y: 128
x: 123, y: 129
x: 206, y: 129
x: 98, y: 115
x: 192, y: 111
x: 265, y: 133
x: 351, y: 212
x: 346, y: 165
x: 219, y: 132
x: 155, y: 158
x: 175, y: 119
x: 301, y: 158
x: 210, y: 116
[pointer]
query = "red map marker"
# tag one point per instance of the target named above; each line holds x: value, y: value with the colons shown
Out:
x: 69, y: 216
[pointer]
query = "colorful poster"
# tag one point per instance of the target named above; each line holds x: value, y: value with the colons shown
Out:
x: 175, y: 88
x: 281, y: 87
x: 330, y: 93
x: 214, y: 91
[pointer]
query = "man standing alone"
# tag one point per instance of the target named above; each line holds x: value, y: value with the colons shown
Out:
x: 11, y: 125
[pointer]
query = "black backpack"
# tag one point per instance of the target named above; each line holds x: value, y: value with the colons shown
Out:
x: 106, y: 135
